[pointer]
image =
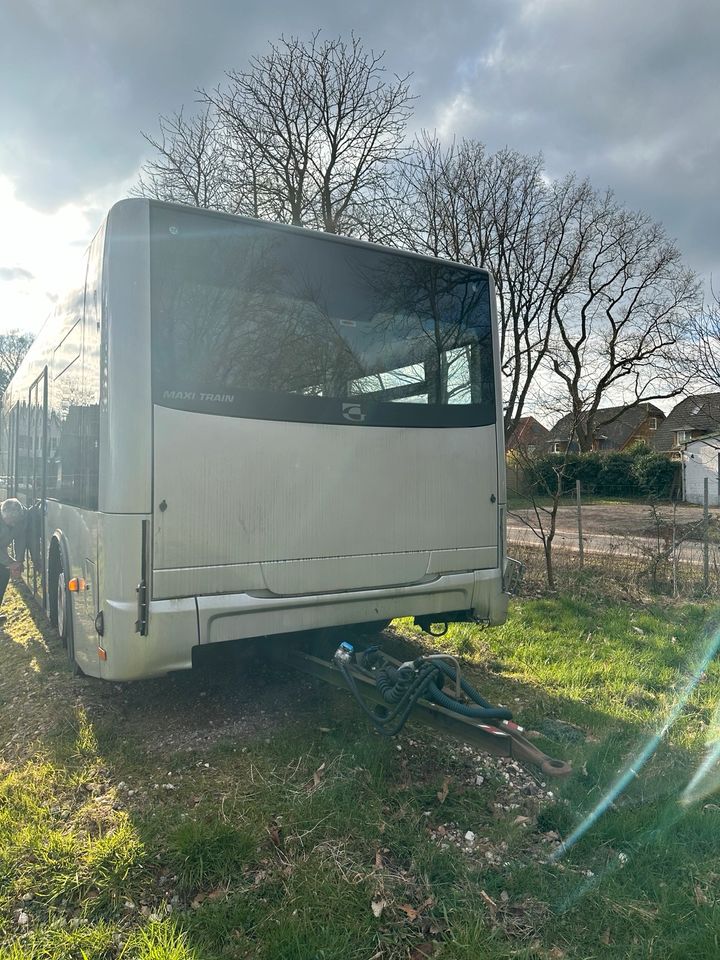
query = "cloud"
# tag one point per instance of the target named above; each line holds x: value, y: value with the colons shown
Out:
x: 15, y: 273
x: 625, y: 93
x: 78, y: 82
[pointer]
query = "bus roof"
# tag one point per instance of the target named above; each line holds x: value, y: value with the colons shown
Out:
x: 284, y: 227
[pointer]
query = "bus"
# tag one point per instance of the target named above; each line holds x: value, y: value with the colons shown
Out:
x: 233, y: 429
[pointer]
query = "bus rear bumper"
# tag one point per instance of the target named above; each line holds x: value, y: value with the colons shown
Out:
x: 176, y: 626
x: 241, y: 616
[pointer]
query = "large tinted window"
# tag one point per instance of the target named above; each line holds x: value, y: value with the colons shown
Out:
x: 256, y: 321
x: 73, y: 428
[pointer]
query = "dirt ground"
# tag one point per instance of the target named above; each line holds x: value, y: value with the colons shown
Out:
x: 233, y: 694
x: 620, y: 519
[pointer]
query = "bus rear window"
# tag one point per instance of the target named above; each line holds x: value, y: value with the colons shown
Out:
x: 260, y: 321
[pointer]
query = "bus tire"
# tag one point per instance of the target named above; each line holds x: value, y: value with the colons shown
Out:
x: 62, y: 610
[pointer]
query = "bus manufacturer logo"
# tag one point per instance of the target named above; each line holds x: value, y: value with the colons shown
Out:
x: 353, y: 412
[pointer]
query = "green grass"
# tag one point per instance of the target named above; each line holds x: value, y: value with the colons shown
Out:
x: 275, y: 846
x: 203, y: 855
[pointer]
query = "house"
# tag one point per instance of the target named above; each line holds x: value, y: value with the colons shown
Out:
x: 529, y: 436
x: 616, y: 428
x: 692, y: 418
x: 701, y: 461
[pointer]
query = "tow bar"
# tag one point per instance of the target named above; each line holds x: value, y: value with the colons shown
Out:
x: 415, y: 688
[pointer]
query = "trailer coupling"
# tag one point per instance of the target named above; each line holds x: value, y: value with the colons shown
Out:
x: 430, y: 689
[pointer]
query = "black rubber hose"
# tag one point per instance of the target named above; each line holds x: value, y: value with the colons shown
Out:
x: 404, y: 694
x: 350, y: 680
x: 465, y: 709
x: 392, y: 684
x: 402, y: 710
x: 418, y: 681
x: 468, y: 688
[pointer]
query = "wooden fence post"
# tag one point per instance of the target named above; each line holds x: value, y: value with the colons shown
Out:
x: 579, y: 523
x: 674, y: 548
x: 706, y: 535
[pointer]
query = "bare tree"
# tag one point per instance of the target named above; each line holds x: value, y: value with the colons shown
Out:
x: 13, y: 347
x: 501, y: 212
x: 620, y: 321
x: 591, y: 296
x: 705, y: 331
x: 541, y: 482
x: 310, y: 134
x: 192, y: 164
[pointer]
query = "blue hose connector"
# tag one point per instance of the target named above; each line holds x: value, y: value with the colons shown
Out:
x: 345, y: 653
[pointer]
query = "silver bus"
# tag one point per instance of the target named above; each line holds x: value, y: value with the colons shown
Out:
x: 234, y: 429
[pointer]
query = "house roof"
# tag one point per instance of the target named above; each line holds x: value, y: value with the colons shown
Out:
x: 527, y: 431
x: 700, y: 412
x: 614, y: 424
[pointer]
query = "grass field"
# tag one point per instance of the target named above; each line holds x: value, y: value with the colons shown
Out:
x: 233, y: 813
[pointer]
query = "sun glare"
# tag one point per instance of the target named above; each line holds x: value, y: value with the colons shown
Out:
x: 37, y: 250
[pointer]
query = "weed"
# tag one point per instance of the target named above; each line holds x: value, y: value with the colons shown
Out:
x: 210, y: 854
x: 158, y: 941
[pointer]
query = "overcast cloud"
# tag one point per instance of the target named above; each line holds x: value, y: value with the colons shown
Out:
x: 15, y: 273
x: 623, y: 91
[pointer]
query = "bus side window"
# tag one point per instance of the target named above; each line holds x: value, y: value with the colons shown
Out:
x: 9, y: 449
x: 64, y: 421
x: 74, y: 416
x: 4, y: 459
x: 90, y: 443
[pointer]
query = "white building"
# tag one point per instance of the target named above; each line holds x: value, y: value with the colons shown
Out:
x: 701, y: 459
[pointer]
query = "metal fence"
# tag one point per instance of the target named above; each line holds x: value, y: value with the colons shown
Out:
x: 665, y: 547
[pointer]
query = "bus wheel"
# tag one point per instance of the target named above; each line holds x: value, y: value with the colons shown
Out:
x: 63, y: 613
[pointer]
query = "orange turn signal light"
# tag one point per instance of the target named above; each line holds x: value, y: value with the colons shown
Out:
x: 76, y: 584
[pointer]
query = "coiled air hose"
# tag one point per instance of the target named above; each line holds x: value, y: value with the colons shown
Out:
x: 402, y: 687
x: 482, y: 711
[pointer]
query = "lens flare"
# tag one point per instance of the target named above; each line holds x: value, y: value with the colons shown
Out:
x: 633, y: 768
x: 706, y: 779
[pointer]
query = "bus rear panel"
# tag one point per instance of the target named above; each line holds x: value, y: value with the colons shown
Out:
x: 294, y: 431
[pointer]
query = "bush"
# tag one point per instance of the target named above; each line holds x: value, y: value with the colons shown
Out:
x: 541, y: 473
x: 616, y: 476
x: 634, y: 473
x: 587, y: 470
x: 654, y: 474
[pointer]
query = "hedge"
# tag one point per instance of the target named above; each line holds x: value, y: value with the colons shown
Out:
x: 635, y: 473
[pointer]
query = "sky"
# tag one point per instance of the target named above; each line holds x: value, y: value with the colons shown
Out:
x: 625, y: 92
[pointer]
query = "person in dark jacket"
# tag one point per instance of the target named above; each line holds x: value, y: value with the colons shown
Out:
x: 13, y: 530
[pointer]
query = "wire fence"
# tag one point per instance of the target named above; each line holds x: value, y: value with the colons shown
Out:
x: 643, y: 544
